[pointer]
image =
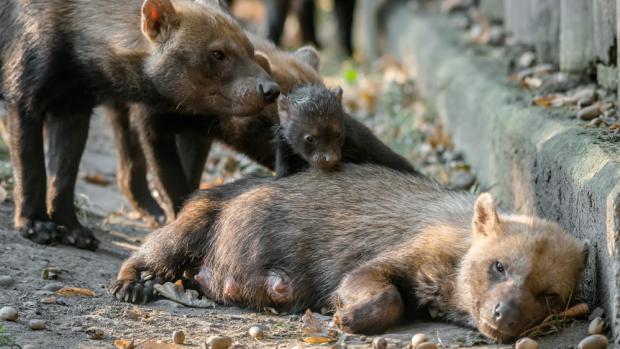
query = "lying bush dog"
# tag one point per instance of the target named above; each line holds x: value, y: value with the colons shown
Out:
x: 377, y: 245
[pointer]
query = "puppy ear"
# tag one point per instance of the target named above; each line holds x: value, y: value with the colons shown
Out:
x: 485, y: 223
x: 338, y: 93
x: 263, y: 61
x: 159, y: 20
x: 284, y: 111
x: 310, y: 56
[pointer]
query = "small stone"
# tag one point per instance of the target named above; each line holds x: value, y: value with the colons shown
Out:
x: 560, y: 82
x: 219, y: 342
x: 589, y: 113
x: 94, y: 333
x: 36, y: 324
x: 595, y: 123
x: 363, y: 338
x: 596, y: 341
x: 29, y: 346
x: 527, y: 59
x: 76, y: 329
x: 6, y: 281
x: 597, y: 312
x: 461, y: 179
x: 427, y: 345
x: 418, y: 339
x: 496, y: 36
x: 44, y: 293
x: 597, y: 326
x: 30, y: 304
x: 379, y: 343
x: 8, y: 314
x: 584, y: 102
x: 178, y: 337
x: 53, y: 287
x: 257, y: 332
x: 526, y: 343
x: 50, y: 273
x: 49, y: 300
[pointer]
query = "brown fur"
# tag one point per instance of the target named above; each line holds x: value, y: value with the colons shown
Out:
x: 61, y: 58
x: 176, y: 149
x: 376, y: 244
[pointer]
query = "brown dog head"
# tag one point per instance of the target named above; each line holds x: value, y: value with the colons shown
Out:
x: 518, y: 270
x: 201, y: 59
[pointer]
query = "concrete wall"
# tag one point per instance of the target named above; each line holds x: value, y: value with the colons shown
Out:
x: 534, y: 160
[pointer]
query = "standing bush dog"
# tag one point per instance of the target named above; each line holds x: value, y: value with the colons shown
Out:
x: 60, y: 58
x: 375, y: 244
x: 174, y: 149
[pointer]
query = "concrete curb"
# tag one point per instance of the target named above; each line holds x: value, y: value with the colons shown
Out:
x: 534, y: 160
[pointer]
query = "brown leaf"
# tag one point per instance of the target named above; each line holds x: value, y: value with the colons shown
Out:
x: 124, y: 344
x: 75, y: 291
x: 50, y: 273
x: 97, y: 179
x: 319, y: 339
x: 575, y: 311
x: 544, y: 101
x: 179, y: 294
x: 310, y: 323
x: 313, y: 330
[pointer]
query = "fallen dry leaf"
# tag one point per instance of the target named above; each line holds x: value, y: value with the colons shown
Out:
x: 318, y: 339
x: 310, y: 323
x: 554, y: 322
x: 314, y: 332
x: 178, y: 294
x: 97, y: 179
x: 124, y: 344
x: 50, y: 273
x: 575, y: 311
x: 544, y: 101
x: 75, y: 291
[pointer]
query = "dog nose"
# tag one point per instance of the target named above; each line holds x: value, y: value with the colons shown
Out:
x: 328, y: 160
x: 505, y: 313
x: 270, y: 91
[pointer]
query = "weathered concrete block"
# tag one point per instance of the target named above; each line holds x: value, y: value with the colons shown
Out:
x: 493, y: 9
x: 547, y: 29
x: 607, y: 77
x: 519, y: 17
x: 576, y: 29
x: 534, y: 160
x: 604, y: 30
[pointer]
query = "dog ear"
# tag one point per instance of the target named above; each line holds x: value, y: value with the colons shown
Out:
x: 485, y: 222
x: 159, y: 20
x: 310, y: 56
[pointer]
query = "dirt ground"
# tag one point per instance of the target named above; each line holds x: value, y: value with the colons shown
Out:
x: 384, y: 97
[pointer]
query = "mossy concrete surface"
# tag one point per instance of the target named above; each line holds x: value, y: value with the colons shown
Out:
x: 533, y: 160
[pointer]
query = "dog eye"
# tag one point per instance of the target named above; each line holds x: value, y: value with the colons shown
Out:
x: 499, y: 267
x: 309, y: 139
x: 218, y: 54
